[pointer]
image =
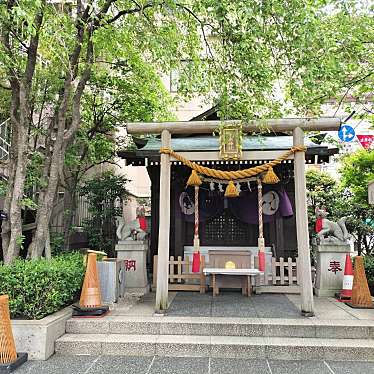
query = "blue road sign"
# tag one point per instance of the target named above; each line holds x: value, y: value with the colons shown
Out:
x: 346, y: 133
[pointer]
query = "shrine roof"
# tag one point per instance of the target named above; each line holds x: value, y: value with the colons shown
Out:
x: 211, y: 143
x: 149, y: 148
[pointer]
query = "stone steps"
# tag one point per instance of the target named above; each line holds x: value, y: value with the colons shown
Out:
x: 219, y: 326
x: 272, y: 338
x: 216, y: 346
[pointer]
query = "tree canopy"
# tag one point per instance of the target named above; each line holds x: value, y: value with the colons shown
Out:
x: 346, y: 197
x: 65, y: 65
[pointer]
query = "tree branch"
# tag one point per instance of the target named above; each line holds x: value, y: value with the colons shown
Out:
x: 202, y: 25
x: 32, y: 50
x: 76, y: 117
x: 129, y: 11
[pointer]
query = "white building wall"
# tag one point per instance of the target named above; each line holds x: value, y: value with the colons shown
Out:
x: 185, y: 110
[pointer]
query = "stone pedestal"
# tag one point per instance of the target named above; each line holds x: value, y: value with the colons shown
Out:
x: 134, y: 255
x: 330, y: 258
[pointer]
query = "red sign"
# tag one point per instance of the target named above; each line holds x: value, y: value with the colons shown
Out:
x: 334, y: 266
x: 130, y: 265
x: 367, y: 141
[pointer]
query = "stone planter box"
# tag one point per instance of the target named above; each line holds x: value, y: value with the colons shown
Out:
x: 37, y: 337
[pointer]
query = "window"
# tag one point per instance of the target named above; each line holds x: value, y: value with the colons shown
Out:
x: 226, y: 229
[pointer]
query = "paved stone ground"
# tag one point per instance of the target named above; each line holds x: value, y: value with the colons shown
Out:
x: 187, y: 365
x: 232, y: 304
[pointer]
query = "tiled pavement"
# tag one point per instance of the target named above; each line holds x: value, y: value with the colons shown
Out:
x: 227, y: 304
x: 187, y: 365
x: 232, y: 304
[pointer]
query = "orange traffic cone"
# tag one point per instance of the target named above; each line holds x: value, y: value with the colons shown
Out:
x: 90, y: 300
x: 361, y: 297
x: 9, y: 360
x: 346, y: 293
x: 91, y: 295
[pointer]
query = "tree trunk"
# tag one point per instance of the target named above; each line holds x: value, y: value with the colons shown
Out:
x: 5, y: 226
x: 17, y: 190
x: 63, y: 137
x: 45, y: 204
x: 359, y: 244
x: 21, y: 119
x: 48, y: 253
x: 70, y: 206
x: 12, y: 164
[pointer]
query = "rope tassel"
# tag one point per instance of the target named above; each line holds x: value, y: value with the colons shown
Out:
x: 231, y: 190
x: 231, y: 175
x: 194, y: 179
x: 270, y: 177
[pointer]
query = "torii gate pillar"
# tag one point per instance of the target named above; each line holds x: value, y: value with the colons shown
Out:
x: 164, y: 228
x: 307, y: 307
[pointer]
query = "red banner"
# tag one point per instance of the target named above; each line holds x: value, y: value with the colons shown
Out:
x: 367, y: 141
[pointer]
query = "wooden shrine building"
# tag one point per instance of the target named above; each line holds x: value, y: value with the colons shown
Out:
x: 230, y: 223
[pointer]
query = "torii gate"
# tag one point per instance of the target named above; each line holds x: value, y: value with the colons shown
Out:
x: 297, y: 126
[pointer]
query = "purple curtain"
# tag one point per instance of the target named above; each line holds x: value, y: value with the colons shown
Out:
x: 245, y: 207
x: 210, y: 205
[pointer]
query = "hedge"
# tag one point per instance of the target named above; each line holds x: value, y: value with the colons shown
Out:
x: 37, y: 288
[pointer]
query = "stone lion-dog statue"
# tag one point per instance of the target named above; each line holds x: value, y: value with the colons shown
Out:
x: 138, y: 226
x: 330, y: 231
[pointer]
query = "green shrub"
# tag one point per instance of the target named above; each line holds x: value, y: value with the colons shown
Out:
x: 38, y: 288
x: 369, y: 269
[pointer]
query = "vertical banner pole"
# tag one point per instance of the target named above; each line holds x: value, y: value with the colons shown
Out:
x: 196, y: 240
x: 261, y: 240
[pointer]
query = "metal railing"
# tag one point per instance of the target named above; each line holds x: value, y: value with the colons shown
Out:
x: 58, y: 216
x: 4, y: 139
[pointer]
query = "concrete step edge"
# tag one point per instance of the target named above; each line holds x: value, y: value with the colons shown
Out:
x: 226, y: 320
x: 203, y: 339
x: 237, y: 328
x: 216, y: 346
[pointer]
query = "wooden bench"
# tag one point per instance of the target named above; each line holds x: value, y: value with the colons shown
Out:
x: 240, y: 277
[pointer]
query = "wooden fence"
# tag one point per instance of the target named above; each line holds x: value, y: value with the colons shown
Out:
x: 283, y: 277
x: 283, y: 272
x: 180, y: 276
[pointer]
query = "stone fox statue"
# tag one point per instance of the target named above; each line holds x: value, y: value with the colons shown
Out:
x: 330, y: 231
x: 138, y: 225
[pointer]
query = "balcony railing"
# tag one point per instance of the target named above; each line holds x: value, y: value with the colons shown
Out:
x: 4, y: 139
